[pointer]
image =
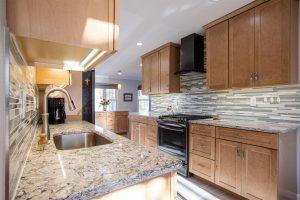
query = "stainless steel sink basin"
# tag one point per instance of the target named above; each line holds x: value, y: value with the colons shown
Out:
x: 79, y: 140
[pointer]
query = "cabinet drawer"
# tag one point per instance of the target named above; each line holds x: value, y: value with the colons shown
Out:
x: 262, y: 139
x: 202, y: 146
x: 138, y: 118
x: 121, y: 113
x: 152, y: 121
x: 152, y: 132
x: 203, y: 130
x: 202, y: 167
x: 151, y: 143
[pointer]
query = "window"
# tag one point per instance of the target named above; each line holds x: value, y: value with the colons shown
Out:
x: 110, y: 94
x: 144, y: 102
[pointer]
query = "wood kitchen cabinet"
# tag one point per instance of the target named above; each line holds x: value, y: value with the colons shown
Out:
x: 158, y: 68
x: 242, y: 161
x: 275, y: 42
x: 244, y: 166
x: 241, y: 50
x: 49, y: 76
x: 84, y: 23
x: 254, y: 46
x: 259, y: 172
x: 229, y: 165
x: 58, y: 34
x: 143, y: 130
x: 217, y: 56
x: 115, y: 121
x: 202, y: 151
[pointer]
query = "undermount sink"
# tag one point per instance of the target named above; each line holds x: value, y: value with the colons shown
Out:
x: 79, y: 140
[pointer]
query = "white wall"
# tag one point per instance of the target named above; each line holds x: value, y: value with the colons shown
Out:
x: 3, y: 124
x: 127, y: 86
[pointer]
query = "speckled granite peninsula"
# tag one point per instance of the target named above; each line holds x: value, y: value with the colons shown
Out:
x: 89, y: 172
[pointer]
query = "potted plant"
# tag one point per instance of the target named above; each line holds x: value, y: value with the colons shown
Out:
x: 105, y: 103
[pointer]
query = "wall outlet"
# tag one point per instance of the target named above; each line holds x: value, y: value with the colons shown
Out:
x: 253, y: 101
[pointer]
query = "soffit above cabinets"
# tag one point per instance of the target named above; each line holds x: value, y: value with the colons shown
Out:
x: 65, y: 34
x: 38, y: 52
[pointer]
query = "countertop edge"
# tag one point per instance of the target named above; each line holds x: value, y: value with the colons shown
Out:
x: 272, y: 131
x: 102, y: 190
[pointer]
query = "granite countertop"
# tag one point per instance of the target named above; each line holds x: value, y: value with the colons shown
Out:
x: 269, y: 127
x: 89, y: 172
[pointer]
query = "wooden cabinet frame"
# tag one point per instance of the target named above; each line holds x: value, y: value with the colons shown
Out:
x: 158, y: 70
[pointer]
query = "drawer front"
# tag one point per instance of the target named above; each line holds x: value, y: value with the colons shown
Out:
x: 100, y: 114
x: 262, y: 139
x: 202, y: 167
x: 122, y: 113
x: 203, y: 130
x: 151, y: 143
x: 138, y: 118
x: 152, y: 132
x: 152, y: 121
x: 202, y: 146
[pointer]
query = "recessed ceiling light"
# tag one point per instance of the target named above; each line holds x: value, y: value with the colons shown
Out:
x: 119, y: 72
x: 139, y: 44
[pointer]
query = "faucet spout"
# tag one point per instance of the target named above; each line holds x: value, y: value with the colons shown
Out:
x: 45, y: 115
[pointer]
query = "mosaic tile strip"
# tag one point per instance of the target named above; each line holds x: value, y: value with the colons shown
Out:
x: 22, y: 119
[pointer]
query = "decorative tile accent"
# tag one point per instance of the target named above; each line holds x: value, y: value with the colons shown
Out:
x: 22, y: 120
x: 232, y: 103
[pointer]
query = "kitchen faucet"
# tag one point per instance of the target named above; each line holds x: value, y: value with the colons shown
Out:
x: 45, y: 115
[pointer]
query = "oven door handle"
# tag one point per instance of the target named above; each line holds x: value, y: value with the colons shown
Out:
x: 181, y: 129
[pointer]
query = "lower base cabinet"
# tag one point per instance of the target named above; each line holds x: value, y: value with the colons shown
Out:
x: 241, y: 165
x: 143, y: 130
x: 158, y: 188
x: 259, y: 173
x: 229, y: 165
x: 202, y: 167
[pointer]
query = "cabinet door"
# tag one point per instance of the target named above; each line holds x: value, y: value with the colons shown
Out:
x: 101, y: 119
x: 217, y: 56
x: 272, y: 41
x: 146, y: 75
x: 134, y: 132
x: 164, y: 69
x: 259, y: 173
x: 152, y: 132
x: 229, y: 165
x: 154, y: 82
x: 142, y: 133
x: 121, y: 123
x: 241, y: 50
x: 86, y: 23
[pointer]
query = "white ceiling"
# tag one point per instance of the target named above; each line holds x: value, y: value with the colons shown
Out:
x: 156, y: 22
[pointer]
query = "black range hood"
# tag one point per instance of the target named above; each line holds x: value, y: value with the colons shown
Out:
x: 191, y: 54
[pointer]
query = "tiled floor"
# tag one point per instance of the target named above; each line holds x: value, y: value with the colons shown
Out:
x: 195, y: 189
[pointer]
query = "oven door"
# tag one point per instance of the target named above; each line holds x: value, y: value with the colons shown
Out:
x: 172, y: 139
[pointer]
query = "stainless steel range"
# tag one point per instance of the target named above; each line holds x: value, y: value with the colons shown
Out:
x: 173, y: 137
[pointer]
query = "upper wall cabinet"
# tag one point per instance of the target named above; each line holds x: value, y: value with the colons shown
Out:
x: 217, y: 56
x: 262, y: 46
x: 158, y: 70
x: 79, y: 26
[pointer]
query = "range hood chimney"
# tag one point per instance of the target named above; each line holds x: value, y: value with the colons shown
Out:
x: 191, y: 54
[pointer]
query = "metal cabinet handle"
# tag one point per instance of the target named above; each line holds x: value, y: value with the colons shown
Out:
x: 251, y: 77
